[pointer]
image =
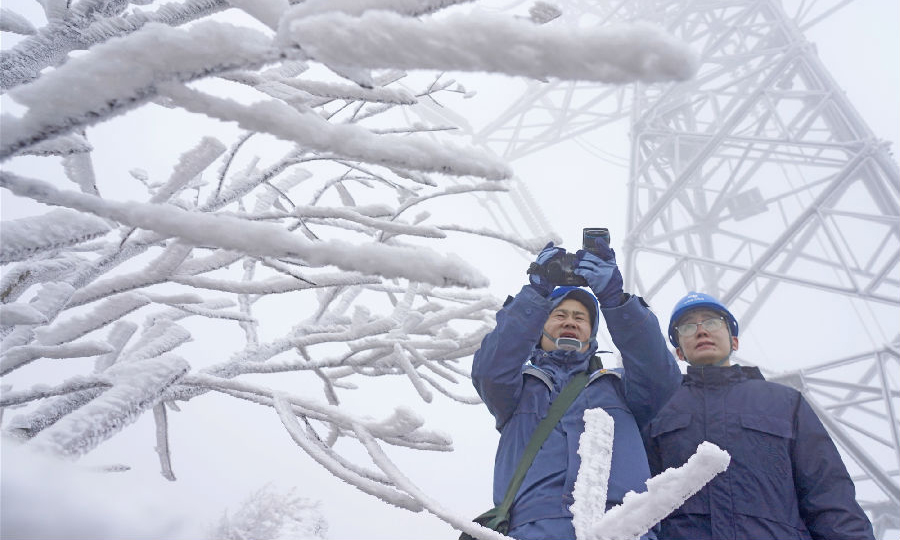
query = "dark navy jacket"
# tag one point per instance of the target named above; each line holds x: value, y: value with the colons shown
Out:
x: 786, y: 479
x: 517, y: 381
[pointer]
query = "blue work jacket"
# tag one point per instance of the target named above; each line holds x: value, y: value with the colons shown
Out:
x: 786, y: 479
x: 518, y: 381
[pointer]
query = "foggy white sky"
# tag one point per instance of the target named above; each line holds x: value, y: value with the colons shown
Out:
x: 243, y: 448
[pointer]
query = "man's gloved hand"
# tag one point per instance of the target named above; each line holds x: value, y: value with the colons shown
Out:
x: 543, y: 286
x: 601, y: 272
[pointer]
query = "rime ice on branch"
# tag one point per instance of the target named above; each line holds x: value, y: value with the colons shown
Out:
x: 322, y: 203
x: 595, y: 448
x: 639, y: 512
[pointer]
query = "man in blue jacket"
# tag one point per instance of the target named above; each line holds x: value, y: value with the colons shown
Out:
x: 543, y: 337
x: 786, y: 478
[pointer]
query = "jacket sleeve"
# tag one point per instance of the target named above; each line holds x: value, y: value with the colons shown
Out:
x: 651, y: 373
x: 825, y: 492
x: 497, y: 365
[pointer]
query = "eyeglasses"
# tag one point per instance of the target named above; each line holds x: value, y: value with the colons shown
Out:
x: 710, y: 325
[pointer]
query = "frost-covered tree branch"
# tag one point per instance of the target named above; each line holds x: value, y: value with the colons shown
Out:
x: 639, y: 512
x: 321, y: 203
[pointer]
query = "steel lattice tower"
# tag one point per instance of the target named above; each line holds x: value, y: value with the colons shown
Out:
x: 756, y: 181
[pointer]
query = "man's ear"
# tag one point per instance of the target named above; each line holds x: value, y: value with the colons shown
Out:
x: 734, y: 343
x: 680, y: 354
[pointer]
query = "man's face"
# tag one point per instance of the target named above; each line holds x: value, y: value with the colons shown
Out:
x: 569, y: 319
x: 705, y: 347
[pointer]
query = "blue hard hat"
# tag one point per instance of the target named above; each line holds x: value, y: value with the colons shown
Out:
x: 695, y: 300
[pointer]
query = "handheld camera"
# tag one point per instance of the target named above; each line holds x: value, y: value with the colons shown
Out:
x: 561, y: 270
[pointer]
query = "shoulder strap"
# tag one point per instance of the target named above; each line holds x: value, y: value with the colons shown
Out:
x: 562, y: 403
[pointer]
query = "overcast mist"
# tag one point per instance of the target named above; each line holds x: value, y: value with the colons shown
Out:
x: 280, y: 245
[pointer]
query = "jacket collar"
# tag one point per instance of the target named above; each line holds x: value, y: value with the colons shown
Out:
x: 562, y: 364
x: 720, y: 375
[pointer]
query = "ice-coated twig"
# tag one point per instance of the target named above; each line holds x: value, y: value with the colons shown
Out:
x: 241, y: 361
x: 162, y: 337
x: 639, y: 511
x: 101, y: 84
x: 257, y: 238
x: 331, y: 90
x: 117, y: 338
x: 399, y: 357
x: 49, y: 300
x: 61, y: 401
x: 354, y: 215
x: 335, y: 228
x: 402, y: 482
x: 532, y: 245
x: 216, y: 313
x: 249, y: 324
x: 157, y: 271
x: 17, y: 357
x: 468, y: 43
x: 76, y: 384
x: 26, y: 237
x: 15, y: 313
x: 136, y: 387
x: 219, y: 258
x: 267, y: 12
x: 192, y: 163
x: 460, y: 398
x: 178, y: 310
x: 79, y: 166
x: 358, y: 7
x: 68, y: 31
x: 595, y: 448
x: 19, y: 277
x: 403, y: 424
x: 106, y: 312
x: 348, y: 141
x: 665, y: 492
x: 449, y: 191
x: 313, y: 448
x: 474, y: 310
x: 10, y: 21
x: 162, y: 440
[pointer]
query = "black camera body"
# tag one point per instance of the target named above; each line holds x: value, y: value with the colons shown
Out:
x: 561, y: 270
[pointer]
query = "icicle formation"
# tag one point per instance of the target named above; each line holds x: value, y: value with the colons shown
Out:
x: 595, y: 449
x: 318, y: 212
